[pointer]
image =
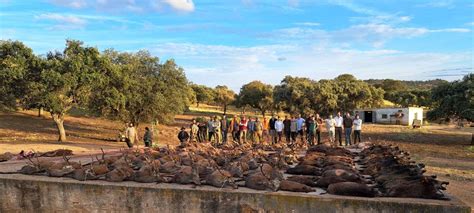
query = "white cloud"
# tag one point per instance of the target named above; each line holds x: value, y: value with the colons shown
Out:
x: 181, y: 5
x: 63, y: 21
x: 438, y: 4
x: 308, y: 24
x: 374, y: 34
x: 128, y: 5
x: 235, y: 66
x: 70, y: 3
x: 451, y: 30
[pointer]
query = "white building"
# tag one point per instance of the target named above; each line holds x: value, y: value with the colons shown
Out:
x: 402, y: 116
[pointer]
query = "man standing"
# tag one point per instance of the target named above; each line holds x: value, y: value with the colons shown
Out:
x: 279, y: 128
x: 287, y: 129
x: 348, y: 122
x: 357, y: 128
x: 202, y: 131
x: 330, y: 126
x: 338, y: 128
x: 243, y: 130
x: 194, y: 131
x: 217, y: 131
x: 210, y: 129
x: 147, y: 138
x: 258, y: 130
x: 224, y: 128
x: 311, y: 128
x: 299, y: 127
x: 293, y: 129
x: 131, y: 136
x: 265, y: 132
x: 319, y: 125
x: 234, y: 127
x: 271, y: 124
x: 251, y: 129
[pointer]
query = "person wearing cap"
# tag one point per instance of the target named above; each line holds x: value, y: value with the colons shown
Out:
x: 183, y: 136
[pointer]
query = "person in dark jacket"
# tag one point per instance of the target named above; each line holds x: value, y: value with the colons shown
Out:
x: 224, y: 128
x: 287, y: 129
x: 183, y: 136
x: 347, y: 123
x: 202, y: 131
x: 311, y: 126
x: 319, y: 126
x: 147, y: 138
x: 273, y: 133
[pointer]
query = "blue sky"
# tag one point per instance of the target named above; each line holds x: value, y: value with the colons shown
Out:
x: 234, y: 42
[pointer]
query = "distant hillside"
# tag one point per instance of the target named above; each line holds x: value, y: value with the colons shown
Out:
x: 409, y: 85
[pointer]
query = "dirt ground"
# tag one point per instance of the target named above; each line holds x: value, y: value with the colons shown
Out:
x: 445, y: 150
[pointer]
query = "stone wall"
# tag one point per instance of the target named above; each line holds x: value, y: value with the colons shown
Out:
x: 20, y: 193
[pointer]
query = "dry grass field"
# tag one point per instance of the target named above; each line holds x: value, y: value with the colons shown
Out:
x: 445, y: 150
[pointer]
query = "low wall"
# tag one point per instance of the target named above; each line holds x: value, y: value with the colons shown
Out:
x: 21, y: 193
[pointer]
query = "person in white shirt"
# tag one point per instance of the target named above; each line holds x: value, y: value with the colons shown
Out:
x: 357, y: 128
x: 338, y: 127
x: 131, y: 136
x: 279, y: 128
x: 330, y: 125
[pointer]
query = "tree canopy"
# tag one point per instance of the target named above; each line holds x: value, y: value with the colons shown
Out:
x: 224, y: 96
x: 132, y: 87
x: 257, y: 95
x: 203, y: 94
x: 344, y: 93
x: 454, y: 100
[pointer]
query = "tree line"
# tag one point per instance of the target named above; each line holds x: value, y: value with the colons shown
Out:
x: 137, y: 87
x: 131, y: 87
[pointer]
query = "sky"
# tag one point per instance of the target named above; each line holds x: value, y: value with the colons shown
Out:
x: 233, y: 42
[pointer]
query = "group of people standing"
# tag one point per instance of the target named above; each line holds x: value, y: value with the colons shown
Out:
x: 336, y: 125
x: 131, y: 136
x: 256, y: 130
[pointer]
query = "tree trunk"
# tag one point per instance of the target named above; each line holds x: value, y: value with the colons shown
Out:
x: 225, y: 108
x: 59, y: 120
x: 197, y: 104
x: 40, y: 111
x: 263, y: 113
